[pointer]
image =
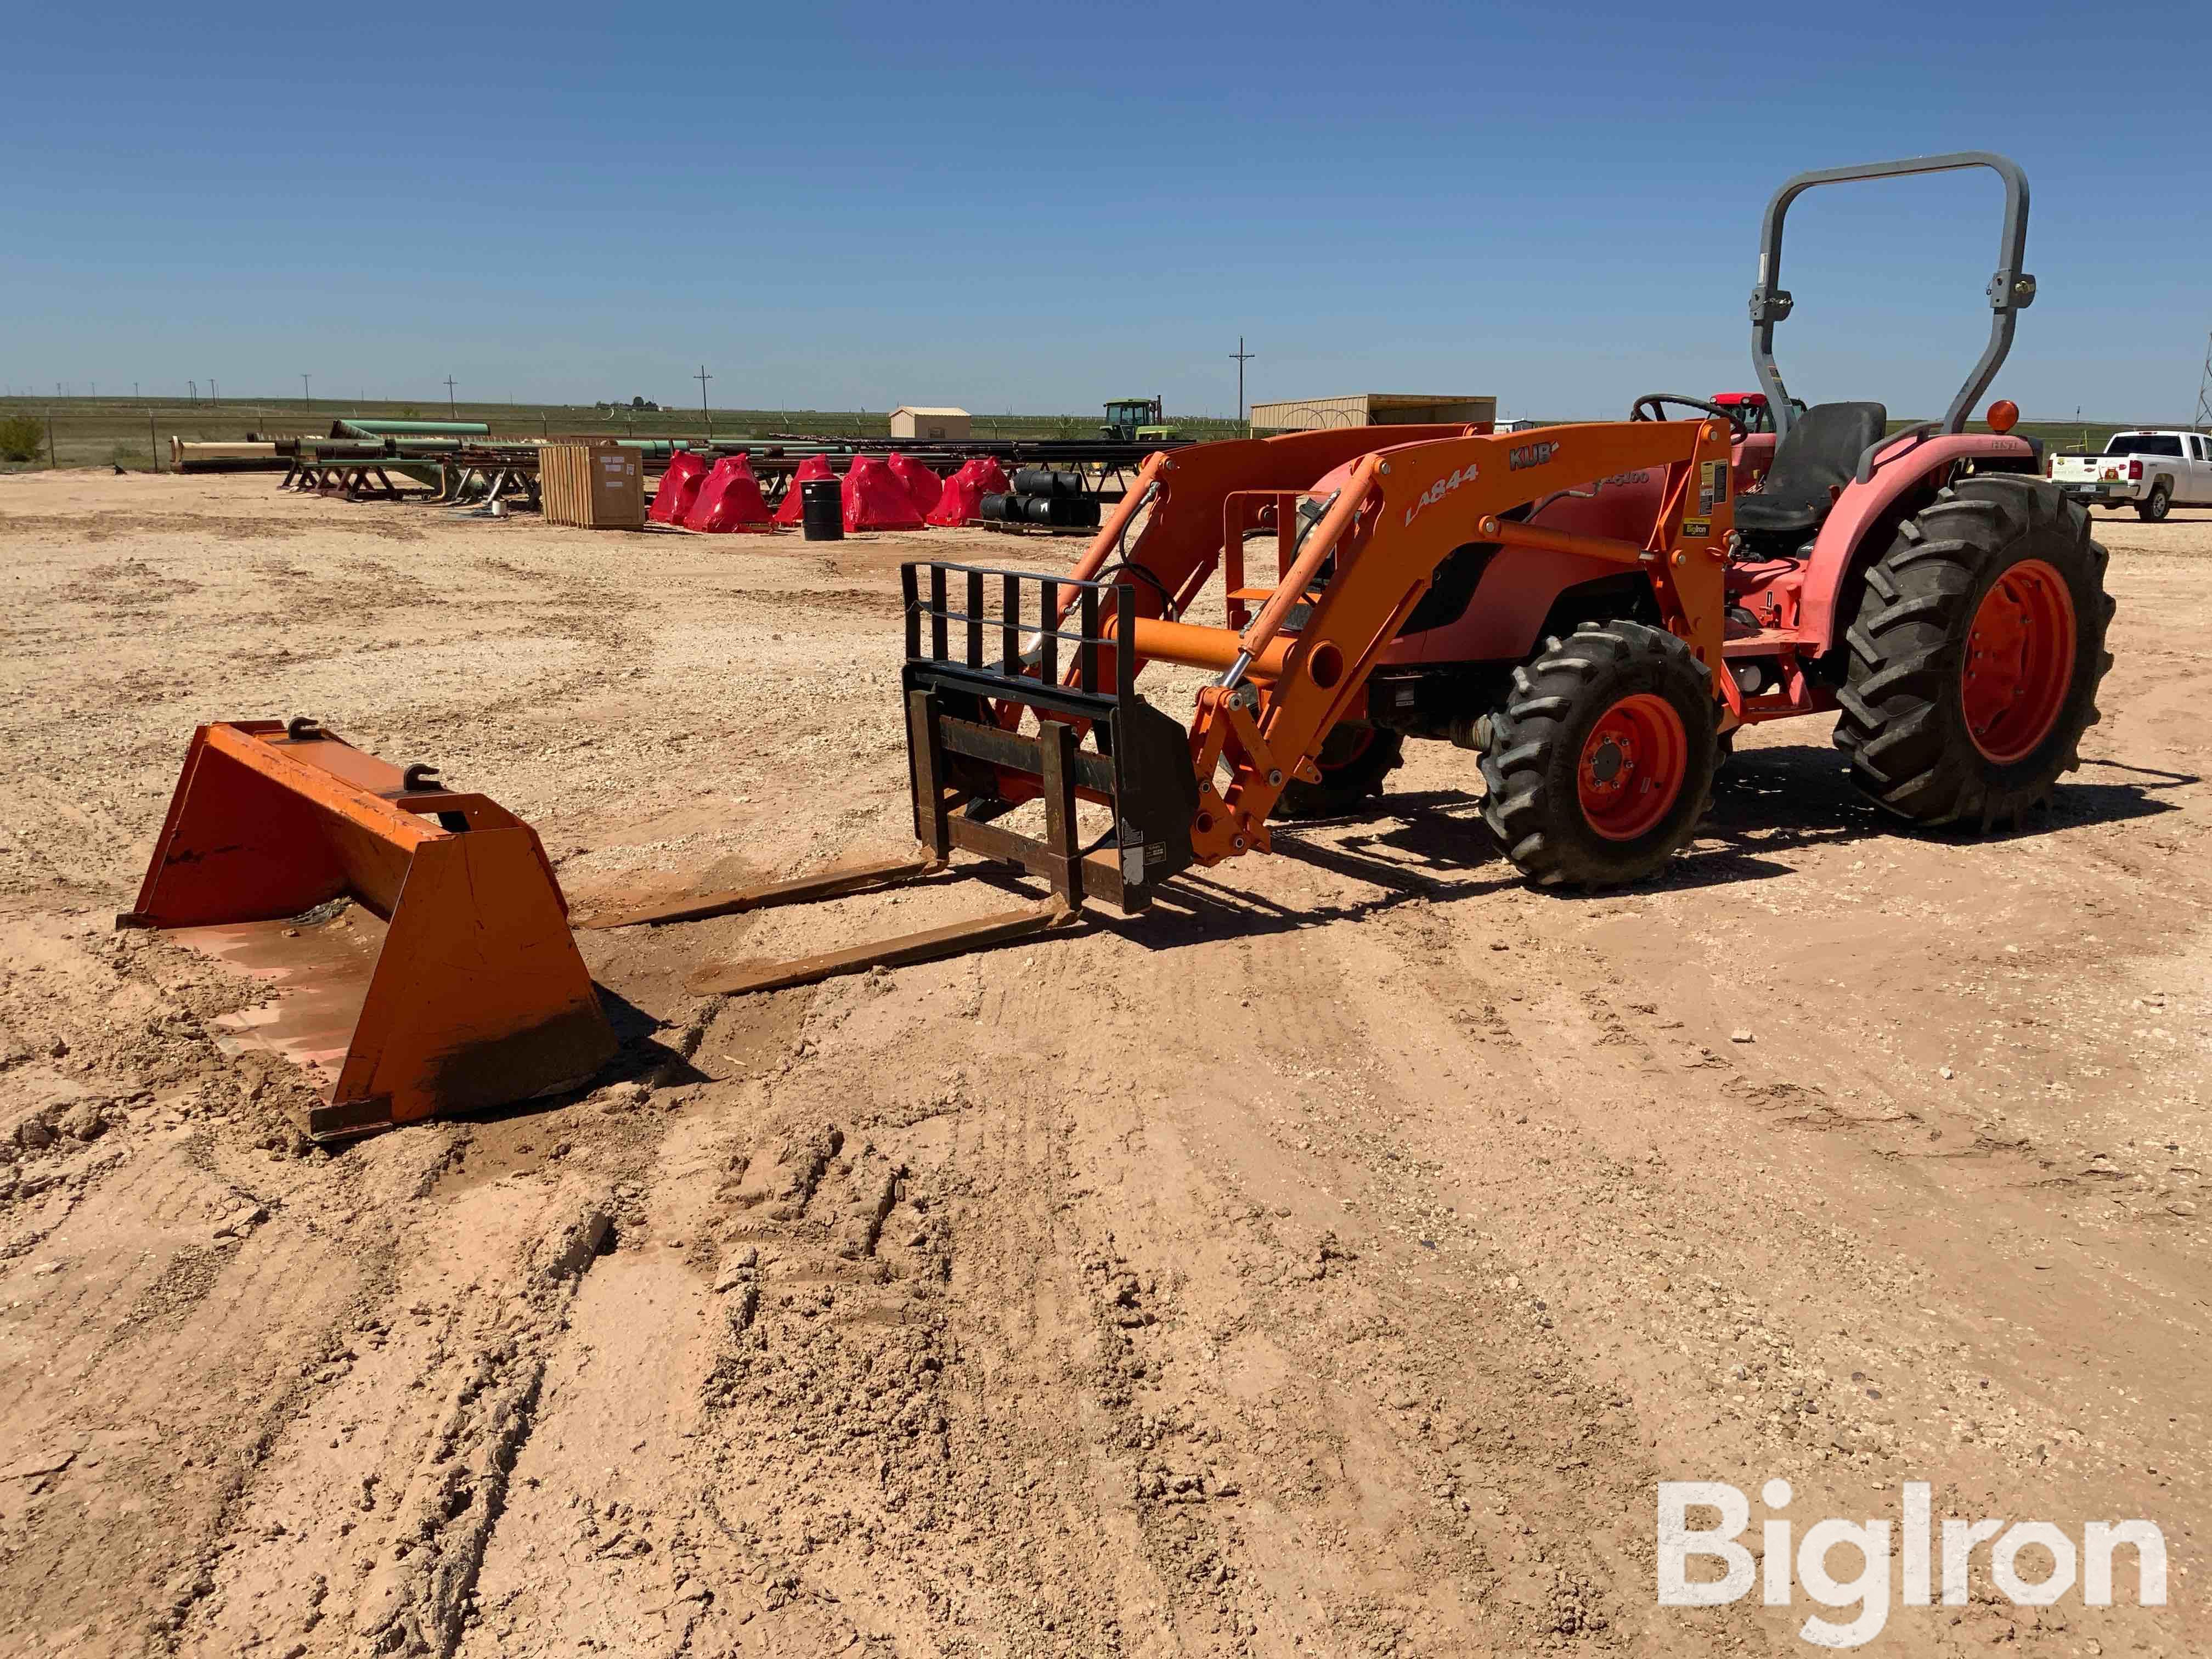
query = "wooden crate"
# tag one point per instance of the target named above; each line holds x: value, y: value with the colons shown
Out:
x: 600, y: 486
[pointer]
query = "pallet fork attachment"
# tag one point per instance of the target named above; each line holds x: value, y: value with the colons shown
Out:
x: 476, y: 995
x: 969, y: 764
x: 717, y: 978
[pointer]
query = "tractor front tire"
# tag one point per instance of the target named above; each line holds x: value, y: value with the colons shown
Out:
x: 1354, y: 760
x: 1976, y: 656
x: 1601, y: 763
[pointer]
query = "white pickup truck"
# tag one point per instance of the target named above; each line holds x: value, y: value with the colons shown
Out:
x: 2152, y: 472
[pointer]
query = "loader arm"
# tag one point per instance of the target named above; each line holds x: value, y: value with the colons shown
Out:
x: 1396, y: 518
x: 1196, y: 505
x: 1200, y: 502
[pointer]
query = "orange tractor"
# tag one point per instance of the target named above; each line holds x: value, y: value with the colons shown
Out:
x: 1593, y: 609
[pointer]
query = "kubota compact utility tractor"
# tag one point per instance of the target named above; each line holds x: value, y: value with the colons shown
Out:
x: 1592, y: 610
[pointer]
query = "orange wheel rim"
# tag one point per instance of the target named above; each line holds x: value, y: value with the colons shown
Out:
x: 1355, y: 742
x: 2020, y: 661
x: 1631, y: 767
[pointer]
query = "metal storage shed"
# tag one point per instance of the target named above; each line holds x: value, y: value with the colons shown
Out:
x: 910, y: 421
x: 1370, y: 409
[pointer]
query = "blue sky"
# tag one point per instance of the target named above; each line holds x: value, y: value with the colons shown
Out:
x: 865, y: 205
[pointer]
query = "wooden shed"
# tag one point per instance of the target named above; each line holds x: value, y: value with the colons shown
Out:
x: 1371, y: 409
x: 909, y: 421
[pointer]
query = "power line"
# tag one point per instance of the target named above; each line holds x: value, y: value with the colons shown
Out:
x: 2204, y: 417
x: 1242, y: 357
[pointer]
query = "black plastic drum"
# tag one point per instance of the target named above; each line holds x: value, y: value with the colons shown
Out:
x: 822, y: 509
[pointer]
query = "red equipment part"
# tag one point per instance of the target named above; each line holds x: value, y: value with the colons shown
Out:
x: 924, y: 486
x: 1633, y: 766
x: 813, y: 467
x: 2019, y: 659
x: 963, y: 498
x: 730, y: 500
x: 1902, y: 471
x: 874, y: 498
x: 679, y: 487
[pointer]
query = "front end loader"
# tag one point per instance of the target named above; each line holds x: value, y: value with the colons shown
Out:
x: 1592, y: 610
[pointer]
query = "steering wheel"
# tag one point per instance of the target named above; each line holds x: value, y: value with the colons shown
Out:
x: 1651, y: 406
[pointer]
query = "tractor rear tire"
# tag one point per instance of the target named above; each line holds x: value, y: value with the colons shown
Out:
x: 1354, y: 760
x: 1601, y: 763
x: 1976, y: 656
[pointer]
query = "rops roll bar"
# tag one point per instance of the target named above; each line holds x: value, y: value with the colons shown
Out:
x: 2011, y: 290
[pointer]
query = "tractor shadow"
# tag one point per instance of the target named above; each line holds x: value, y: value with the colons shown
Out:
x: 1783, y: 796
x: 1433, y: 845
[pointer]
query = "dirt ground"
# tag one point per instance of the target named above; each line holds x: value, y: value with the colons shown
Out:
x: 1330, y: 1263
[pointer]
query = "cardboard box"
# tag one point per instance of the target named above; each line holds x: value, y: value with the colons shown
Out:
x: 600, y: 486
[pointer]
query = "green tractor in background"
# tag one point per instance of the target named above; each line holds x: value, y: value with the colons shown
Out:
x: 1137, y: 421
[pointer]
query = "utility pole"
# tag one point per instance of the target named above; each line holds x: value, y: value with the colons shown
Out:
x: 212, y: 398
x: 452, y: 409
x: 193, y: 387
x: 306, y: 398
x: 1242, y: 357
x: 703, y: 377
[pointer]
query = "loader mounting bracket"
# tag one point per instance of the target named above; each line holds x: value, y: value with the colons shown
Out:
x: 969, y: 760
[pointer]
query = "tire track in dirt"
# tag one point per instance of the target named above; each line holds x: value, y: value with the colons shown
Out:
x: 420, y: 1416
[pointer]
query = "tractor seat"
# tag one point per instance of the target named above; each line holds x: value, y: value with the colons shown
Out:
x: 1819, y: 454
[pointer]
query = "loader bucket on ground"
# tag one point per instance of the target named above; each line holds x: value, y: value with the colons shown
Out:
x: 454, y: 986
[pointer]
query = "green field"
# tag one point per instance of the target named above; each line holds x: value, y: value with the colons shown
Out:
x: 122, y: 431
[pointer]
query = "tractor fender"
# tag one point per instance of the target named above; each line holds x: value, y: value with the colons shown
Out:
x: 1867, y: 510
